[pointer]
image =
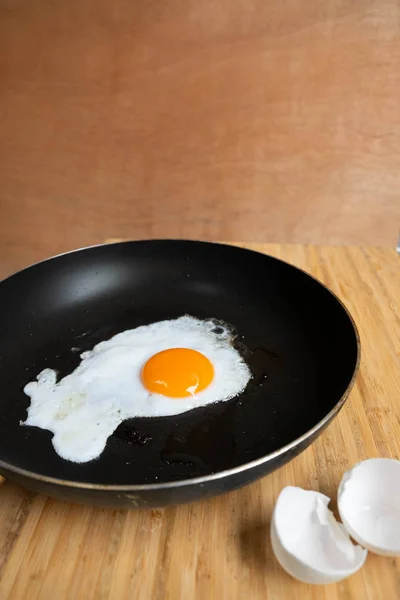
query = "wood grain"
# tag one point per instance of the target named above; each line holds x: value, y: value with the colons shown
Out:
x: 220, y: 548
x: 273, y: 121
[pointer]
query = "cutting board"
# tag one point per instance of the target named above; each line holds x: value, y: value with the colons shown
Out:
x: 220, y: 548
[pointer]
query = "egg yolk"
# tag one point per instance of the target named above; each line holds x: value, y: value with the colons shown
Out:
x: 177, y: 372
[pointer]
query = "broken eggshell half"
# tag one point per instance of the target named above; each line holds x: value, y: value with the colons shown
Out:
x: 307, y: 540
x: 313, y: 547
x: 369, y: 504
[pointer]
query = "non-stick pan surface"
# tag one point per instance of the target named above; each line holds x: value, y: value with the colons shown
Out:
x: 295, y: 335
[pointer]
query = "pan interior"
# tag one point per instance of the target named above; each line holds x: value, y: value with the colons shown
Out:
x: 295, y: 336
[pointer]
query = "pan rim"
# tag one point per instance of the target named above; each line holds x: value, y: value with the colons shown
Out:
x: 143, y: 487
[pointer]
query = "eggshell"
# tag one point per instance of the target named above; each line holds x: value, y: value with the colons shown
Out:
x: 369, y: 504
x: 307, y: 540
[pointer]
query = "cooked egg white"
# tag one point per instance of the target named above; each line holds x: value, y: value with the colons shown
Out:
x: 84, y: 408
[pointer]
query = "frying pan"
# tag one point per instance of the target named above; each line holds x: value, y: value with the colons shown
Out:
x: 297, y: 337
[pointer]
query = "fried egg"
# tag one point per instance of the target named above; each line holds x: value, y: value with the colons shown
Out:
x: 158, y: 370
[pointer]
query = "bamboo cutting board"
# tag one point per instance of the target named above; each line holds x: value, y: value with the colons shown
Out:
x: 220, y: 548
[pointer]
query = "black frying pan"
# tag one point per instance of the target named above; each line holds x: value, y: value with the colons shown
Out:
x: 298, y: 339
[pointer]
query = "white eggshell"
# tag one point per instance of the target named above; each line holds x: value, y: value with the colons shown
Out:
x: 369, y: 504
x: 307, y: 540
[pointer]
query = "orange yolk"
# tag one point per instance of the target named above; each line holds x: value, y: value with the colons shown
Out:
x: 177, y: 372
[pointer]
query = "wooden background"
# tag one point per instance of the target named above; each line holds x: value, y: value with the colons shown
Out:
x: 213, y: 119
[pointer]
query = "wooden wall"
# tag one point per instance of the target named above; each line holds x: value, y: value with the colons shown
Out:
x: 212, y: 119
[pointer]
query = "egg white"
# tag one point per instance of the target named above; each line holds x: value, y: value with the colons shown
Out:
x: 84, y: 408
